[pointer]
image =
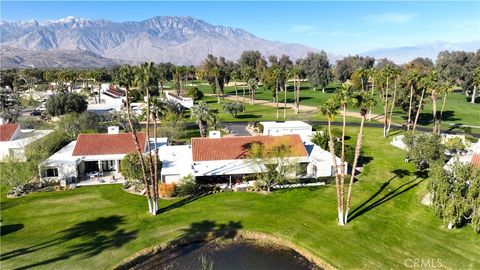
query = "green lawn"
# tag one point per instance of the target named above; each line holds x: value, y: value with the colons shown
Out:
x: 457, y: 109
x: 98, y: 227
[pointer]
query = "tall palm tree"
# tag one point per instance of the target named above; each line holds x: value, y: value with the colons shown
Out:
x: 330, y: 109
x: 396, y: 75
x: 387, y: 73
x: 423, y: 82
x: 126, y: 77
x: 204, y: 116
x: 412, y: 79
x: 444, y: 88
x: 432, y: 82
x: 365, y: 101
x: 343, y: 96
x: 295, y: 74
x: 147, y: 81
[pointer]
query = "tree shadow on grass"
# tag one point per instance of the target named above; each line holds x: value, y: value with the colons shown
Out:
x: 181, y: 203
x: 7, y: 229
x: 91, y: 237
x: 248, y: 115
x: 398, y: 173
x: 192, y: 239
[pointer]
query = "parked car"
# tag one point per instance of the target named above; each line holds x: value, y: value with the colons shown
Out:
x: 36, y: 112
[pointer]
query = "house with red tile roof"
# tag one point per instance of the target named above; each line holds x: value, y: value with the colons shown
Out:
x: 228, y: 158
x: 13, y: 140
x: 92, y: 154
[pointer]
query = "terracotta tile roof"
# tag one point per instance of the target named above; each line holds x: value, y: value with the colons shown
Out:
x: 114, y: 92
x: 7, y: 131
x: 106, y: 144
x: 229, y: 148
x: 476, y: 159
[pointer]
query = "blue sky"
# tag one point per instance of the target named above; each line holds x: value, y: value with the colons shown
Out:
x: 337, y: 27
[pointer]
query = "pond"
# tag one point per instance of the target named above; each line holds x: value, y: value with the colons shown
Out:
x: 233, y: 255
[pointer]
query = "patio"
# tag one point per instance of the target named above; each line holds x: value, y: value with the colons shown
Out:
x: 102, y: 179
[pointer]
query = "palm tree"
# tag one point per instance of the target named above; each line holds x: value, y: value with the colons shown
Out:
x: 343, y: 96
x: 432, y: 83
x: 204, y: 116
x: 146, y: 80
x: 252, y: 85
x: 295, y: 74
x: 444, y: 88
x: 387, y: 73
x: 235, y: 75
x: 412, y: 80
x: 423, y: 83
x: 365, y: 102
x: 330, y: 109
x: 395, y: 74
x: 125, y: 77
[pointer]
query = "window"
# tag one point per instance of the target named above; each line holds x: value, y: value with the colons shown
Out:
x: 302, y: 169
x: 51, y: 172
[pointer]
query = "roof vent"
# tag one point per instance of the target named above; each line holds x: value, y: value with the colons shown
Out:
x: 214, y: 134
x: 113, y: 130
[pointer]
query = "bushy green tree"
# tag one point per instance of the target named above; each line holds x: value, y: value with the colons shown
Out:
x: 131, y: 168
x: 75, y: 123
x: 455, y: 192
x: 63, y: 103
x: 424, y: 149
x: 186, y: 187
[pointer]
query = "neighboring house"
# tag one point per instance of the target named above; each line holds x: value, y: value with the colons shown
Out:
x: 112, y: 100
x: 91, y: 154
x: 13, y: 140
x: 184, y: 101
x: 287, y: 127
x: 226, y: 159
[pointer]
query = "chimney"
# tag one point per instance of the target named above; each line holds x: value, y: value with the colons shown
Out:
x: 214, y: 134
x: 113, y: 130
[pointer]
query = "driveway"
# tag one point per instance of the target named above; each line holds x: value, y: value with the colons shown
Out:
x: 238, y: 129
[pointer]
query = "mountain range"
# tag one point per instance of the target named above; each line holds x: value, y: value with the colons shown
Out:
x: 79, y: 42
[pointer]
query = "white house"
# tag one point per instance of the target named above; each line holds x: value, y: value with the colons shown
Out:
x: 184, y: 101
x: 13, y: 140
x: 227, y: 159
x: 287, y: 127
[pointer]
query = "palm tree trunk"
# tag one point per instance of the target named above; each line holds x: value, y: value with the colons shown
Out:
x: 285, y: 102
x: 358, y: 148
x: 418, y: 109
x: 410, y: 108
x: 157, y: 170
x: 236, y: 91
x: 276, y: 99
x: 434, y: 111
x: 150, y: 159
x: 391, y: 107
x: 99, y: 92
x: 342, y: 168
x: 161, y: 88
x: 244, y: 93
x: 474, y: 94
x: 335, y: 172
x: 385, y: 108
x: 139, y: 150
x: 217, y: 89
x: 441, y: 113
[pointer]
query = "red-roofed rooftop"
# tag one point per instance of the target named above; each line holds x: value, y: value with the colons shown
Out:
x: 106, y: 144
x: 476, y: 159
x: 7, y: 131
x: 229, y: 148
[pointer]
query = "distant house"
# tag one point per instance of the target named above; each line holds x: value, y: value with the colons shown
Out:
x: 184, y: 101
x: 13, y: 140
x: 472, y: 156
x: 287, y: 127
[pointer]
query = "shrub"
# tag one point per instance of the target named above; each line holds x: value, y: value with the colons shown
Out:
x: 195, y: 93
x: 167, y: 190
x: 186, y: 187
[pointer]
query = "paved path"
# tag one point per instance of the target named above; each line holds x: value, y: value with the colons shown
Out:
x: 303, y: 108
x: 238, y: 129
